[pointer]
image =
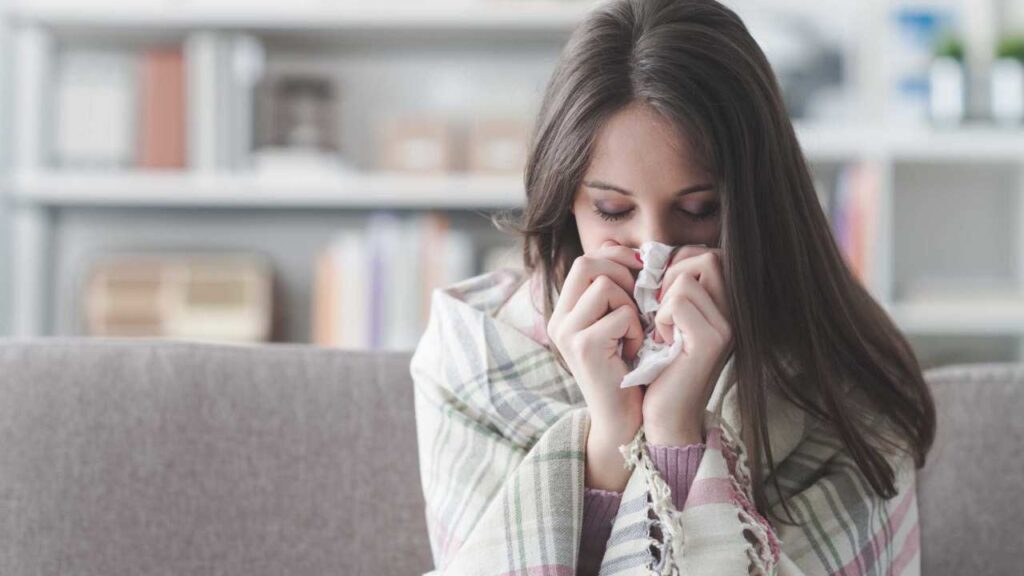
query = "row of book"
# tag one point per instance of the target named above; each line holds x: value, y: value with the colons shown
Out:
x: 371, y: 290
x: 853, y: 212
x: 121, y: 109
x: 373, y: 286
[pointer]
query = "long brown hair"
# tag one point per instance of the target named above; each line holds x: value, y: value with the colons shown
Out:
x: 802, y: 322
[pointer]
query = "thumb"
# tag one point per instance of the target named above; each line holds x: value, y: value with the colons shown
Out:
x: 632, y: 332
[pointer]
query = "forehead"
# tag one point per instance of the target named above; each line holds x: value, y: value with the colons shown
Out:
x: 639, y: 149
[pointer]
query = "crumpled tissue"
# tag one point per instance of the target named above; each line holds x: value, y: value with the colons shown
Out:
x: 653, y: 357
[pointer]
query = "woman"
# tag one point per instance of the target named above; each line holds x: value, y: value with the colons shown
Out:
x: 783, y: 438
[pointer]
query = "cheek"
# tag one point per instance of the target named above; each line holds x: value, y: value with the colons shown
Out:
x: 593, y: 231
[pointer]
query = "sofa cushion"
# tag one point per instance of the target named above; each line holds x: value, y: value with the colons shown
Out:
x: 161, y: 457
x: 969, y: 492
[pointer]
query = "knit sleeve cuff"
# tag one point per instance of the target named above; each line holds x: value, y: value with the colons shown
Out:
x: 599, y: 510
x: 678, y: 467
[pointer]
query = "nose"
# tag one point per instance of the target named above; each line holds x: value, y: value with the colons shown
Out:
x: 657, y: 229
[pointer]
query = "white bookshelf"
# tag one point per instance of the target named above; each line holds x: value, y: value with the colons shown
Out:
x: 527, y: 16
x: 910, y: 162
x: 278, y: 190
x: 821, y: 144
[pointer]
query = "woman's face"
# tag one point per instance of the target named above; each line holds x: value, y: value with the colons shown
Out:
x: 646, y: 182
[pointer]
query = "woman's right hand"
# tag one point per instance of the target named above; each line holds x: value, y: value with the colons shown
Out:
x: 594, y: 312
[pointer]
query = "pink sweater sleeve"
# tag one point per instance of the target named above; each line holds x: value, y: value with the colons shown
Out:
x: 677, y: 466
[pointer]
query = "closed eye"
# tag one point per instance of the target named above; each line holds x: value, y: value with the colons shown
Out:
x: 616, y: 216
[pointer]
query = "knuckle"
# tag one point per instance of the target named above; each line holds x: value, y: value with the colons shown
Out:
x: 717, y: 261
x: 689, y: 282
x: 581, y: 341
x: 584, y: 263
x: 569, y: 343
x: 552, y: 330
x: 669, y: 306
x: 602, y: 282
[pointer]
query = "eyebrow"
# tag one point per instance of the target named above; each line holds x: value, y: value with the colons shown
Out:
x: 606, y: 186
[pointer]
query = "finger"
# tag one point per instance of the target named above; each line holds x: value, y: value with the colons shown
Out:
x: 678, y: 290
x: 663, y: 328
x: 684, y: 314
x: 704, y: 264
x: 583, y: 271
x: 620, y: 324
x: 622, y: 254
x: 686, y: 251
x: 632, y: 345
x: 679, y: 253
x: 700, y: 297
x: 598, y: 299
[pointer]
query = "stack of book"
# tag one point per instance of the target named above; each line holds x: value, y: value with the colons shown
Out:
x: 373, y: 286
x: 214, y: 297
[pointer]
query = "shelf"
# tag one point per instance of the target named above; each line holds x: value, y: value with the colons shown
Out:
x: 276, y: 190
x: 288, y: 189
x: 966, y: 316
x: 964, y: 144
x: 458, y: 191
x: 969, y: 143
x: 513, y: 16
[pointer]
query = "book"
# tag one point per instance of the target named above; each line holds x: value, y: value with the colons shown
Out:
x: 352, y: 309
x: 854, y: 216
x: 162, y: 114
x: 95, y: 96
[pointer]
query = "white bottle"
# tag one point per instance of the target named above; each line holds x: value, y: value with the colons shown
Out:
x: 947, y: 90
x: 1008, y: 91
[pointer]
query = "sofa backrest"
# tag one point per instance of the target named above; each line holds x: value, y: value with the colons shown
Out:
x: 970, y: 493
x: 145, y: 457
x: 128, y: 456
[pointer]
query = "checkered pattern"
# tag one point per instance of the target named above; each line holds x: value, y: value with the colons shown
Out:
x: 502, y: 434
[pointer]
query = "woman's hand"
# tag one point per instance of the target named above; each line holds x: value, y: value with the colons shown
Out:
x: 594, y: 312
x: 695, y: 298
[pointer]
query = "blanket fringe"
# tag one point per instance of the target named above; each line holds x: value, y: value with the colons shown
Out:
x: 763, y: 548
x: 659, y: 501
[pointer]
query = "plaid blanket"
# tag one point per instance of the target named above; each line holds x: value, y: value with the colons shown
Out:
x: 502, y: 429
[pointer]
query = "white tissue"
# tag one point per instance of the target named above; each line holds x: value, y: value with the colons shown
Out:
x: 652, y: 357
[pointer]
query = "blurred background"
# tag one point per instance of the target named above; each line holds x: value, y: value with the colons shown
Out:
x: 235, y: 171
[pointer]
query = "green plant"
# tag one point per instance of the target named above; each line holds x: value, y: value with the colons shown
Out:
x: 1011, y: 47
x: 950, y: 45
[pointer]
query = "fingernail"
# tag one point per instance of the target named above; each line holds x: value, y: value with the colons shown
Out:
x: 657, y: 296
x: 638, y: 258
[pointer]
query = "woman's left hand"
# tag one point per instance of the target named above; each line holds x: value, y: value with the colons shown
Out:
x: 694, y: 297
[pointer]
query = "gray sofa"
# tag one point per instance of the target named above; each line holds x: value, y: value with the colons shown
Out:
x: 159, y: 457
